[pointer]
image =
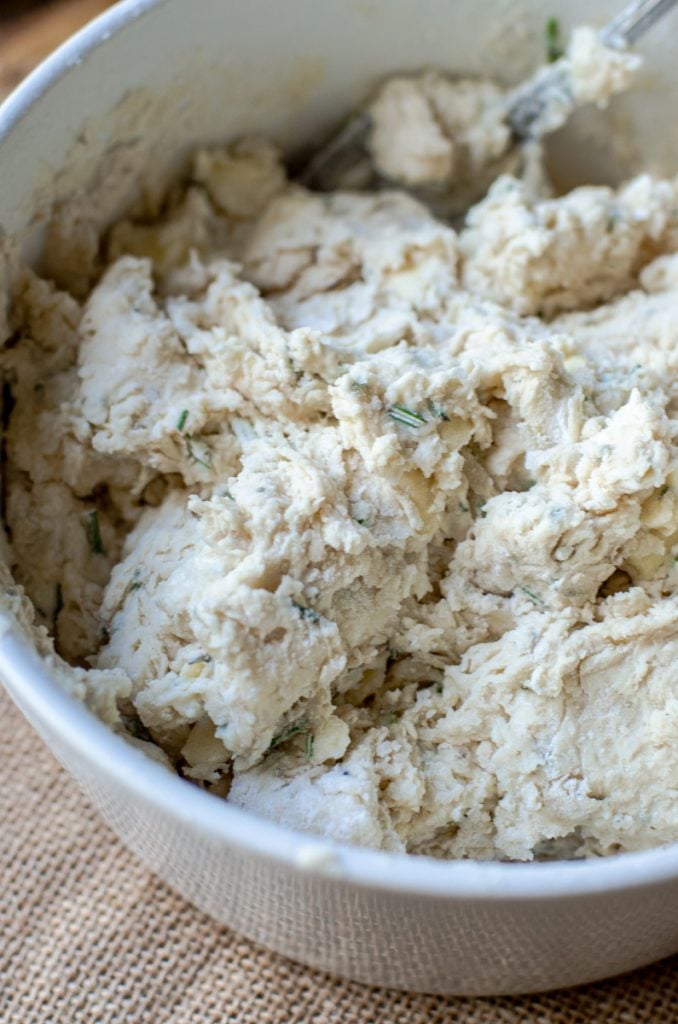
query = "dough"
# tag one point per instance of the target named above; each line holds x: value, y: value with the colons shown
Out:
x: 454, y: 134
x: 363, y: 523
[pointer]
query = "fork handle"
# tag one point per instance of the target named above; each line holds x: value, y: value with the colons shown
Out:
x: 634, y: 20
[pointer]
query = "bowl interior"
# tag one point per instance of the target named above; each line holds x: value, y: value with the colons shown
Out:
x: 157, y: 82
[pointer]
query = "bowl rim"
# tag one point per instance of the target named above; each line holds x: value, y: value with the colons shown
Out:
x: 37, y: 693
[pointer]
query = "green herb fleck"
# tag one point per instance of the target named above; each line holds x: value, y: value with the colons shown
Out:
x: 437, y: 410
x: 463, y: 506
x: 181, y: 422
x: 439, y: 688
x: 356, y: 385
x: 136, y: 583
x: 613, y: 218
x: 535, y: 598
x: 554, y: 46
x: 309, y: 746
x: 94, y: 533
x: 295, y: 369
x: 203, y: 459
x: 288, y: 733
x: 307, y: 613
x: 135, y: 727
x: 403, y: 415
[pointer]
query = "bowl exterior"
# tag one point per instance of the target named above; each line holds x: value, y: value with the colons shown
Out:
x: 480, y: 944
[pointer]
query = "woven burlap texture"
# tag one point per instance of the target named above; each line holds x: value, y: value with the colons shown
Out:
x: 88, y: 936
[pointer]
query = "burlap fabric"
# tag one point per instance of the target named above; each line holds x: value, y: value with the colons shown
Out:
x: 88, y: 936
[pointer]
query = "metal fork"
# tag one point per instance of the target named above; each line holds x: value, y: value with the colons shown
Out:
x: 526, y: 107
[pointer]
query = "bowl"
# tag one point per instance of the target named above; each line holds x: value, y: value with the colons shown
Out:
x: 121, y: 104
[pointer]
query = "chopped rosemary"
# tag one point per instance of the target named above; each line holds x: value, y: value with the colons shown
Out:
x: 535, y: 598
x: 437, y: 410
x: 307, y: 613
x: 181, y: 422
x: 294, y: 368
x: 136, y: 583
x: 135, y: 727
x: 94, y: 533
x: 403, y: 415
x: 288, y: 733
x: 554, y: 47
x: 309, y: 746
x: 203, y: 459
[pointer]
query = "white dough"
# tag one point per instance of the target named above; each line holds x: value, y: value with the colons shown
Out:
x: 371, y: 526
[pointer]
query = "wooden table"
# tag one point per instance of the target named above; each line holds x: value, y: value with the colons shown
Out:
x: 30, y: 29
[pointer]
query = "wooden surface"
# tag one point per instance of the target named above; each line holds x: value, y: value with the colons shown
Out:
x: 30, y: 30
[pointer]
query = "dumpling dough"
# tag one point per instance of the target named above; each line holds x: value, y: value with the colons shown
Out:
x: 436, y: 132
x: 366, y: 524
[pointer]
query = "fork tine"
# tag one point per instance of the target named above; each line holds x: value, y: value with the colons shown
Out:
x: 338, y: 155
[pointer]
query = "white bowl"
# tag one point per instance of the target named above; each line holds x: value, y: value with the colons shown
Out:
x: 207, y: 71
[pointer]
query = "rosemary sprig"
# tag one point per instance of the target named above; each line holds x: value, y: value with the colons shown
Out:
x: 437, y: 410
x: 401, y: 414
x: 94, y: 533
x: 307, y: 613
x: 554, y: 47
x: 535, y: 598
x: 287, y: 734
